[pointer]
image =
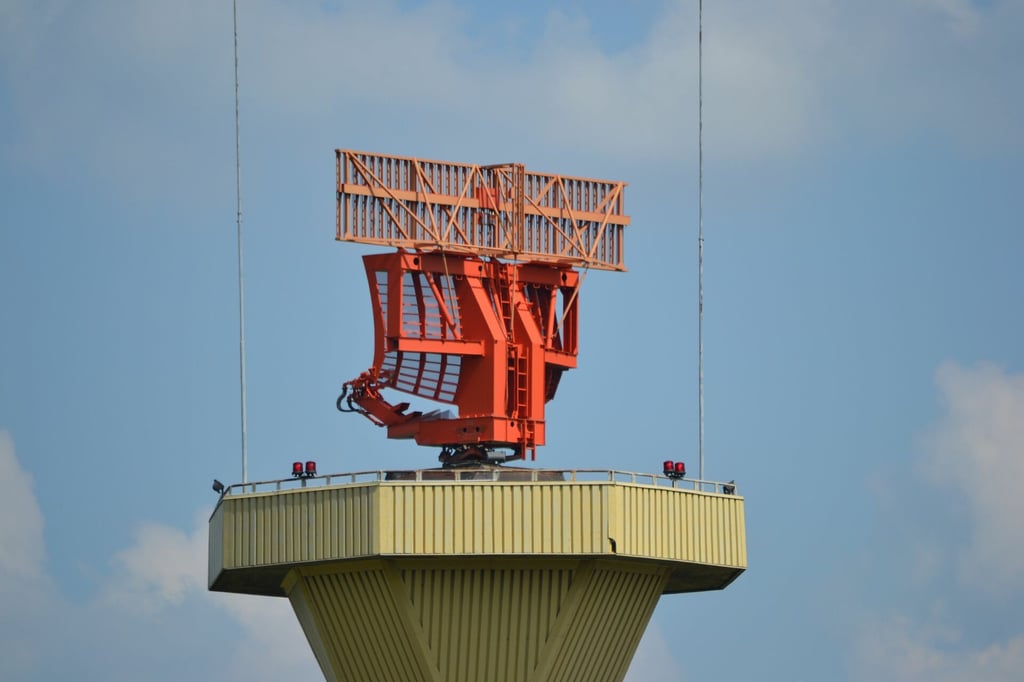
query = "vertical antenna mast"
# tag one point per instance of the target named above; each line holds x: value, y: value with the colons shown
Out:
x: 241, y: 290
x: 700, y: 233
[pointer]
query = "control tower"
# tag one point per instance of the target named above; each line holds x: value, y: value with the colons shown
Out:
x: 475, y: 570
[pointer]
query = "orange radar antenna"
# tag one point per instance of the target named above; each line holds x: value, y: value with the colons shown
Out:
x: 478, y: 306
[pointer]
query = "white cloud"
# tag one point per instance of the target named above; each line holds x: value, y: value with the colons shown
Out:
x: 962, y: 16
x: 117, y: 89
x: 654, y: 661
x: 900, y: 650
x: 156, y: 589
x: 21, y: 521
x: 956, y: 628
x: 161, y: 568
x: 140, y: 90
x: 25, y: 591
x: 977, y: 453
x: 165, y: 566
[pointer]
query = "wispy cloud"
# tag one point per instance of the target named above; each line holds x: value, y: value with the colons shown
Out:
x: 166, y: 566
x: 950, y: 623
x: 156, y: 588
x: 26, y: 593
x: 902, y: 650
x: 653, y: 661
x: 976, y: 452
x: 964, y: 17
x: 141, y: 90
x: 21, y: 524
x: 163, y: 567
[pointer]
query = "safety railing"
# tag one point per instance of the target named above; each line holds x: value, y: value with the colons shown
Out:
x: 482, y: 475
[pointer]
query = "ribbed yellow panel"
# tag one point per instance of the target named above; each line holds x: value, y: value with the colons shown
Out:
x: 257, y: 538
x: 364, y: 631
x: 664, y: 524
x: 300, y: 526
x: 215, y: 540
x: 383, y: 621
x: 599, y: 633
x: 486, y: 624
x: 307, y: 616
x: 488, y: 518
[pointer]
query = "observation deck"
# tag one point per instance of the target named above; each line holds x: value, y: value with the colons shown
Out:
x: 476, y: 573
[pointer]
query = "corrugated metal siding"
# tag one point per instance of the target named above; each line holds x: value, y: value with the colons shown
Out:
x: 578, y: 622
x: 602, y: 633
x: 664, y: 523
x: 489, y: 624
x: 365, y: 631
x: 476, y: 518
x: 304, y: 612
x: 215, y: 544
x: 300, y: 526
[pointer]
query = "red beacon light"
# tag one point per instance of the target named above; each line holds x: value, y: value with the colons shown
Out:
x: 674, y: 469
x: 304, y: 471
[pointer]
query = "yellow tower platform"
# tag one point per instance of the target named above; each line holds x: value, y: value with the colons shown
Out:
x: 476, y: 574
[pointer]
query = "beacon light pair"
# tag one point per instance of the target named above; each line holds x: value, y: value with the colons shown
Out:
x: 674, y: 469
x: 309, y: 471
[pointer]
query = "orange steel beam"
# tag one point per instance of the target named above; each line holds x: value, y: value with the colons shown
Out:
x: 510, y: 332
x: 500, y: 210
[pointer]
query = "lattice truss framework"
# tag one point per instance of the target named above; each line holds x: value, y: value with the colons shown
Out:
x: 501, y: 210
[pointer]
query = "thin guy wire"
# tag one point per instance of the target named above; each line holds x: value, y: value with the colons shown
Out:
x: 241, y: 289
x: 700, y: 233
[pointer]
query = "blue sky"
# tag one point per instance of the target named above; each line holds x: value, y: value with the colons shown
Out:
x: 864, y: 366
